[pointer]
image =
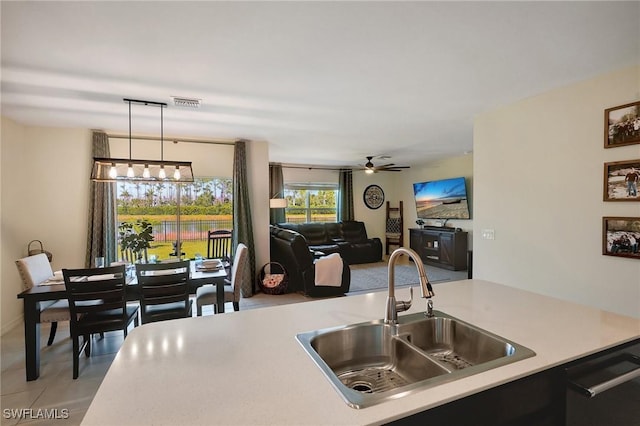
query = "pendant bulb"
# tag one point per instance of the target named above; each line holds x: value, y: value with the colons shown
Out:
x: 113, y: 172
x: 162, y: 174
x: 176, y: 174
x: 146, y: 174
x: 130, y: 173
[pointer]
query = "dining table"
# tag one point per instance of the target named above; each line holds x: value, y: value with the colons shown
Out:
x: 55, y: 290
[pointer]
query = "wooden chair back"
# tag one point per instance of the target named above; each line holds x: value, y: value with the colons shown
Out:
x: 93, y: 292
x: 164, y: 290
x: 219, y: 244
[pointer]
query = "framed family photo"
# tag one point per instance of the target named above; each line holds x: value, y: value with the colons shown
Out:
x: 621, y: 181
x: 622, y: 125
x: 621, y: 236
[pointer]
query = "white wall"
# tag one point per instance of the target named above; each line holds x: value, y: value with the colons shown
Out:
x: 538, y: 173
x: 45, y: 187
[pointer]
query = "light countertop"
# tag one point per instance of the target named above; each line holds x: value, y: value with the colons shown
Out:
x: 247, y: 368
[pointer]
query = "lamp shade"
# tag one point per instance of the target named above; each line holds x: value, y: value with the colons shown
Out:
x: 278, y: 203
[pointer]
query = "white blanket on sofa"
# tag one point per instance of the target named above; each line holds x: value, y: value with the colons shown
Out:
x: 329, y: 270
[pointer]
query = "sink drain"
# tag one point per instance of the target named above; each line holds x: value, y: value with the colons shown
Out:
x: 363, y: 387
x: 371, y: 380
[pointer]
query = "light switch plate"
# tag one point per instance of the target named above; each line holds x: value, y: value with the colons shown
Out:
x: 489, y: 234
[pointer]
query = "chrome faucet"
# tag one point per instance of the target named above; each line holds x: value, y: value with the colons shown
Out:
x: 393, y: 307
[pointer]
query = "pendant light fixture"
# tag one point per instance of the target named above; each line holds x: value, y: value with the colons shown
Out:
x: 122, y: 169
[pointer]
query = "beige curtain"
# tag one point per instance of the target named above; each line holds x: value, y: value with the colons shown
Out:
x: 101, y: 235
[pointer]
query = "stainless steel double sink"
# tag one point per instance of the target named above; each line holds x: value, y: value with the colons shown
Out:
x: 368, y: 363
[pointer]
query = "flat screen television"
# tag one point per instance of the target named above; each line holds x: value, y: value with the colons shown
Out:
x: 442, y: 199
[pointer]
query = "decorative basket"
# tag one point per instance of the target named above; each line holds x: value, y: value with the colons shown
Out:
x: 34, y: 251
x: 275, y: 281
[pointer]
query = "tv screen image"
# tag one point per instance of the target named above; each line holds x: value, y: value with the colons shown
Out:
x: 442, y: 199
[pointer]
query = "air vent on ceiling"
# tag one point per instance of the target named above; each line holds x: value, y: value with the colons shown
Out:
x: 186, y: 102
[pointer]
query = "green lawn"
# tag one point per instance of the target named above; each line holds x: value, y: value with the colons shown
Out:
x: 189, y: 248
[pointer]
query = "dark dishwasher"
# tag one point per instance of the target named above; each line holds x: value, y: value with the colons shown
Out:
x: 604, y: 389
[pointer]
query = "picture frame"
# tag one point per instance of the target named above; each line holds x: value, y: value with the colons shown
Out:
x: 621, y: 237
x: 622, y: 181
x: 622, y: 125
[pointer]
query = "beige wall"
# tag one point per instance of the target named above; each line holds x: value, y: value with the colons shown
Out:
x: 45, y: 184
x: 538, y: 182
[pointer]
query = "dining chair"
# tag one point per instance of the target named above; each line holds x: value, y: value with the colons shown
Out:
x: 207, y: 294
x: 98, y: 303
x: 34, y: 271
x: 164, y: 291
x: 219, y: 244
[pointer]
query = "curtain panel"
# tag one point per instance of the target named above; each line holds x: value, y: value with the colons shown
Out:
x: 101, y: 234
x: 345, y: 199
x: 242, y: 223
x: 276, y: 190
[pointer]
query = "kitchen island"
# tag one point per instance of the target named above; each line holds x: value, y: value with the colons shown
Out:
x: 247, y: 367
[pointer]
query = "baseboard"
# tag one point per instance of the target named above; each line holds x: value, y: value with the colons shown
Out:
x: 11, y: 324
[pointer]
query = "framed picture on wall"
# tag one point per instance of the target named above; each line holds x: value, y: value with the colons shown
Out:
x: 622, y: 180
x: 621, y: 236
x: 622, y: 125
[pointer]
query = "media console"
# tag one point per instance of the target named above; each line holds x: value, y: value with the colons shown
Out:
x: 442, y: 247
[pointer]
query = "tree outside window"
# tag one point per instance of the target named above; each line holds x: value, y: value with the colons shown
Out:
x: 311, y: 203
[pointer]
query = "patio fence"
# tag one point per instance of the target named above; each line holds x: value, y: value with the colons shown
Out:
x: 190, y: 230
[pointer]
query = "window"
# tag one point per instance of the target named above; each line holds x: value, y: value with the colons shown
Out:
x: 205, y: 204
x: 311, y: 202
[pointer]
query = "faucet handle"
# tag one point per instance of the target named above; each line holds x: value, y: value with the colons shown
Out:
x: 404, y: 305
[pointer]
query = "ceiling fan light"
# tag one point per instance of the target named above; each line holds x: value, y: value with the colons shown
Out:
x: 369, y: 171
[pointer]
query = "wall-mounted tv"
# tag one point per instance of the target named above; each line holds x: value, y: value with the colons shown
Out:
x: 442, y: 199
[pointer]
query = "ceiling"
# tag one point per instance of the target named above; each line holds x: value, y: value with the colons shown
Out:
x: 325, y: 83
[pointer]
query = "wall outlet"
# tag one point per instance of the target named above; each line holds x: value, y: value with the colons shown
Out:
x: 489, y: 234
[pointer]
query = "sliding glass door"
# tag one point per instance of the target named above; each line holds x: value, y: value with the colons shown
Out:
x: 174, y: 212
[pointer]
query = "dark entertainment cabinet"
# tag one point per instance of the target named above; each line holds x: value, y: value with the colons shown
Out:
x: 441, y: 247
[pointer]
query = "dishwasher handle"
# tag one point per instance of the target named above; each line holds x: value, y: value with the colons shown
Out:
x: 596, y: 389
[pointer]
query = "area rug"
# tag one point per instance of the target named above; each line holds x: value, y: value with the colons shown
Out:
x: 374, y: 276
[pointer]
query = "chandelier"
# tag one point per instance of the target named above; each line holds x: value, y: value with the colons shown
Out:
x: 128, y: 169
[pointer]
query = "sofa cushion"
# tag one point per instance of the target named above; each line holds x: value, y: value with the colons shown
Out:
x: 354, y: 232
x: 315, y: 233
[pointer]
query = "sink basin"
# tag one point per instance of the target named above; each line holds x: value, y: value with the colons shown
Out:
x: 371, y: 362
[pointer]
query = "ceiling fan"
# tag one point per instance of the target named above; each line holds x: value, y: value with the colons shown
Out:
x: 369, y: 167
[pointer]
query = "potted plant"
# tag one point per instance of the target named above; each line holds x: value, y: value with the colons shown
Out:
x: 135, y: 239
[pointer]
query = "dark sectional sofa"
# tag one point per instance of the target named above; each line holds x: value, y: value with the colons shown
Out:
x: 349, y: 238
x: 289, y: 248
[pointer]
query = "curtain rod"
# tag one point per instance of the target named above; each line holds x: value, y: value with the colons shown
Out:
x: 168, y: 139
x: 286, y: 166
